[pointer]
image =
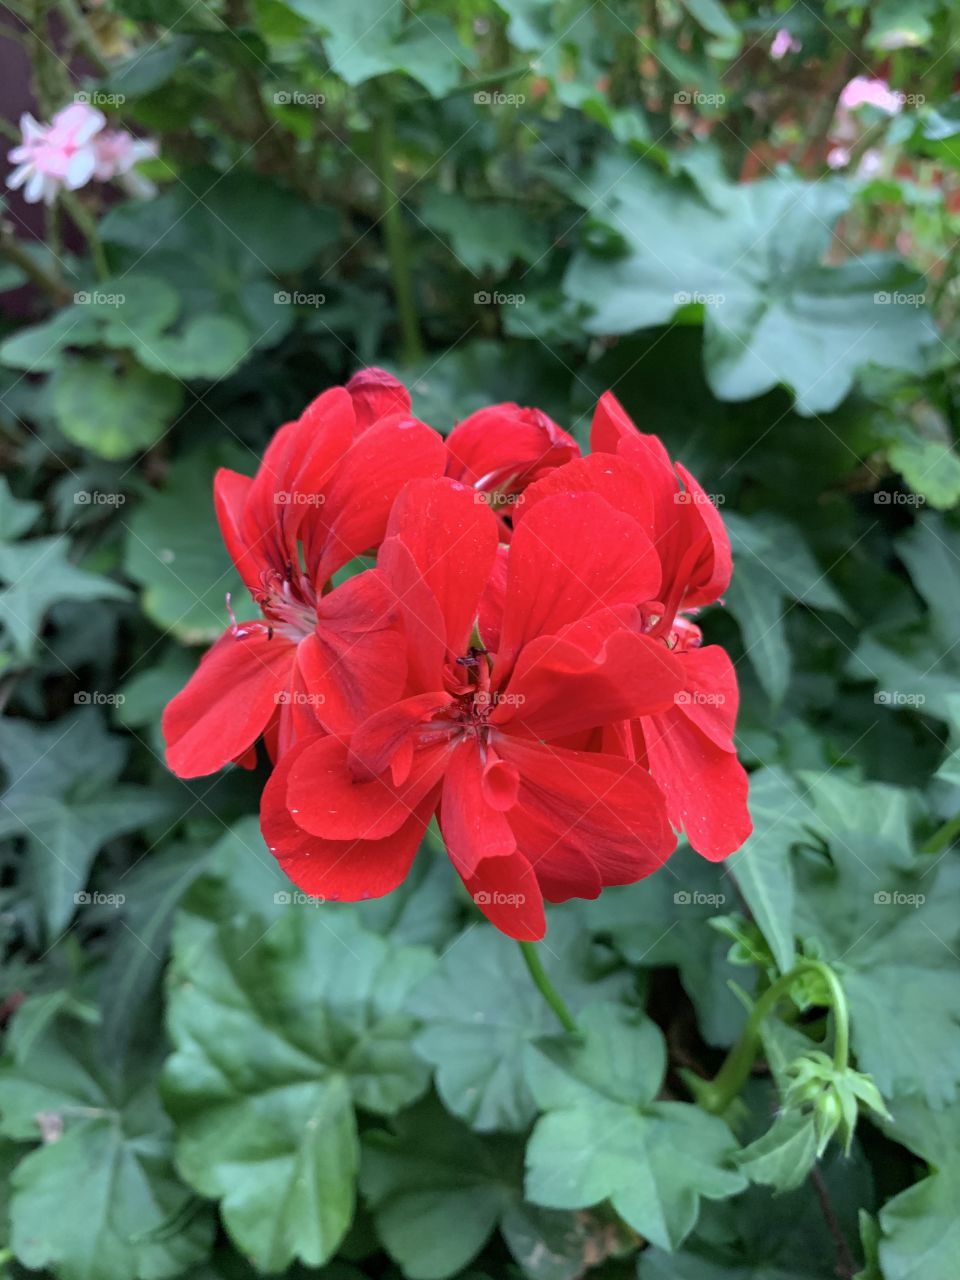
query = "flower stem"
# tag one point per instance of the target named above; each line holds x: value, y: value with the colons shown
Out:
x: 549, y: 992
x: 395, y: 235
x: 943, y: 835
x: 717, y: 1094
x: 87, y: 224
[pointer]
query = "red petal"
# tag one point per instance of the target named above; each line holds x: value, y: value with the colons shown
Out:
x: 705, y: 786
x: 595, y: 672
x: 359, y: 498
x: 571, y: 556
x: 355, y: 662
x: 375, y: 744
x: 506, y: 891
x: 472, y: 828
x: 503, y: 448
x: 338, y: 869
x: 228, y: 700
x: 230, y: 493
x: 325, y: 797
x: 621, y: 483
x: 376, y: 394
x: 584, y: 819
x: 451, y: 535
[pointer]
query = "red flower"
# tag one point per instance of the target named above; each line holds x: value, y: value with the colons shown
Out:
x: 502, y: 449
x: 321, y: 496
x: 689, y: 747
x: 511, y: 678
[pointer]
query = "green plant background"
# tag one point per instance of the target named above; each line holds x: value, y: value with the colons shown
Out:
x: 205, y: 1076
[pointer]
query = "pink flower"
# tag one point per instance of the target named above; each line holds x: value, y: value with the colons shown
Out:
x: 117, y: 152
x: 838, y: 157
x: 784, y: 43
x: 73, y: 149
x: 61, y: 153
x: 864, y: 91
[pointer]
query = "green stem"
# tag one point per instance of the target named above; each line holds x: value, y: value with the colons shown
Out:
x: 717, y: 1094
x: 943, y: 835
x: 395, y: 235
x: 549, y: 992
x: 13, y: 250
x: 88, y: 225
x: 83, y: 36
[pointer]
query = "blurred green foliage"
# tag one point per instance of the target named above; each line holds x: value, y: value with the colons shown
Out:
x: 530, y: 200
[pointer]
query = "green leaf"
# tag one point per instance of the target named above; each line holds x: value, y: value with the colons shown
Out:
x: 39, y: 575
x: 920, y: 1231
x: 175, y: 552
x: 772, y: 312
x: 771, y: 566
x: 98, y: 1200
x: 761, y: 867
x: 114, y: 412
x: 209, y: 347
x: 783, y: 1156
x: 930, y: 467
x: 16, y: 515
x: 665, y: 920
x: 62, y: 798
x: 436, y: 1190
x: 480, y: 1010
x: 484, y: 235
x: 278, y: 1033
x: 884, y: 919
x: 605, y: 1137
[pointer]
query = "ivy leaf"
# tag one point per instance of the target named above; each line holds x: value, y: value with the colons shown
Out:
x: 480, y: 1010
x: 771, y: 566
x: 762, y: 868
x: 113, y: 412
x: 437, y: 1191
x: 605, y: 1137
x: 39, y: 575
x: 16, y: 515
x: 97, y: 1200
x: 175, y: 552
x: 884, y: 919
x: 62, y: 798
x: 772, y: 312
x: 920, y: 1231
x: 263, y: 1096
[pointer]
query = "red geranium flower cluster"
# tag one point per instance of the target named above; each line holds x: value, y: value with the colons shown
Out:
x: 518, y: 660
